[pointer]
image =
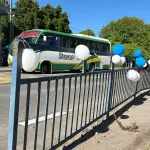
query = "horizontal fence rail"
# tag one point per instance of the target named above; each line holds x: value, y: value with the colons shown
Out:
x: 51, y: 110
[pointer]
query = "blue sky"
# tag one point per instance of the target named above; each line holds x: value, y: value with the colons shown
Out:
x: 95, y: 14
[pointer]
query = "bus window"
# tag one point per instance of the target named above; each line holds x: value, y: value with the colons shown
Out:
x: 72, y: 43
x: 57, y: 41
x: 97, y: 48
x: 106, y: 48
x: 84, y: 42
x: 50, y: 39
x: 40, y: 40
x: 92, y: 46
x: 65, y: 42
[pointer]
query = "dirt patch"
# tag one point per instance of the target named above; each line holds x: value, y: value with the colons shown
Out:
x: 131, y: 128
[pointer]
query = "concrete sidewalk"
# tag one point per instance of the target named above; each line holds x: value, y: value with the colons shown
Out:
x: 108, y: 135
x: 5, y: 69
x: 5, y: 75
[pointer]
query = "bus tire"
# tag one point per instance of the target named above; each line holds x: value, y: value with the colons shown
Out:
x: 45, y: 67
x: 91, y: 67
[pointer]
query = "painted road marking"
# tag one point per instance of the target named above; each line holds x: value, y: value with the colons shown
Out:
x: 50, y: 116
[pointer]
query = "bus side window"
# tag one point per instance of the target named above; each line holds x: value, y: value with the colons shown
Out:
x: 84, y: 42
x: 72, y: 43
x: 50, y: 40
x: 92, y: 46
x: 105, y: 49
x: 101, y: 48
x: 40, y: 40
x: 57, y: 41
x: 65, y: 42
x: 97, y: 48
x: 68, y: 42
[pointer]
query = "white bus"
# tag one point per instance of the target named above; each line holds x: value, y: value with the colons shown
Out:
x: 56, y: 50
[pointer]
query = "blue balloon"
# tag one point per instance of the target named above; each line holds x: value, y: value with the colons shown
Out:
x: 118, y: 49
x: 140, y: 61
x: 137, y: 53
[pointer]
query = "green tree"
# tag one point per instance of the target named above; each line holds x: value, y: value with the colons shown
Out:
x: 132, y: 32
x: 26, y: 15
x: 54, y: 19
x: 4, y: 27
x: 88, y: 32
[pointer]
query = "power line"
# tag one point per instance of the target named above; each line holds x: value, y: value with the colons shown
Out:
x: 75, y: 28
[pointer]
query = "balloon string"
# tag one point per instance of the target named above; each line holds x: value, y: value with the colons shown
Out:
x: 24, y: 41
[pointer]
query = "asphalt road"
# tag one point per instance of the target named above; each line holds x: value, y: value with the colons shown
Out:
x: 90, y: 102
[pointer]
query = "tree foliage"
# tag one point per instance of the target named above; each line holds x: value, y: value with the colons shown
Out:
x: 88, y: 32
x: 54, y: 19
x: 28, y: 15
x: 132, y: 32
x: 4, y: 26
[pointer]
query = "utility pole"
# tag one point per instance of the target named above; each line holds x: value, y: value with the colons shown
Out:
x: 11, y: 23
x: 0, y: 37
x: 3, y: 10
x: 10, y: 17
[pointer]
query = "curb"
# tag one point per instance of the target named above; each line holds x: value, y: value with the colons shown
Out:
x: 5, y: 71
x: 5, y: 83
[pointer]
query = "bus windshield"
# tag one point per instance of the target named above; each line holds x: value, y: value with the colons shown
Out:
x: 30, y: 36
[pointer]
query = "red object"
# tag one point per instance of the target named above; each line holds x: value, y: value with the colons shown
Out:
x: 29, y: 34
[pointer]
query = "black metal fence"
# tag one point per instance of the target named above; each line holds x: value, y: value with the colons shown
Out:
x: 54, y: 109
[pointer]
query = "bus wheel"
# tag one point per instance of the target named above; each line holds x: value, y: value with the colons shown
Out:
x: 91, y: 67
x: 45, y: 68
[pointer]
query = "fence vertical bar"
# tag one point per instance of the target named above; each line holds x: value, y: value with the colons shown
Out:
x: 37, y: 115
x: 136, y: 87
x: 102, y: 95
x: 46, y: 113
x: 53, y: 128
x: 62, y: 105
x: 95, y: 97
x: 14, y: 95
x: 98, y: 95
x: 91, y: 98
x: 83, y: 101
x: 68, y: 103
x: 78, y: 107
x: 110, y: 89
x: 75, y: 82
x: 87, y: 104
x: 26, y: 117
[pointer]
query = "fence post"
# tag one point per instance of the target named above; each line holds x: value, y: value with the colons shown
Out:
x: 110, y: 88
x: 84, y: 66
x: 136, y: 85
x: 14, y: 95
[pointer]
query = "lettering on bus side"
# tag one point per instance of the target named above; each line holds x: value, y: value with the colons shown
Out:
x: 66, y: 57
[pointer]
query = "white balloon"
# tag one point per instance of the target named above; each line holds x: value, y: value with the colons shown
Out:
x: 149, y: 61
x: 133, y: 75
x: 29, y: 60
x: 116, y: 59
x: 145, y: 65
x: 82, y: 52
x: 123, y: 60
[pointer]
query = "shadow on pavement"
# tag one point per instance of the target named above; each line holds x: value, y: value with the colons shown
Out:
x: 104, y: 125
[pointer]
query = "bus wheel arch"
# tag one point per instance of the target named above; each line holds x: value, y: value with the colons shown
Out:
x: 45, y: 67
x: 91, y: 67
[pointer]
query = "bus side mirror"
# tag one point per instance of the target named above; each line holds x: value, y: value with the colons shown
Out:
x: 45, y: 38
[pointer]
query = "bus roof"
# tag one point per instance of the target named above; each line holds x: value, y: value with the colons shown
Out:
x: 81, y: 36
